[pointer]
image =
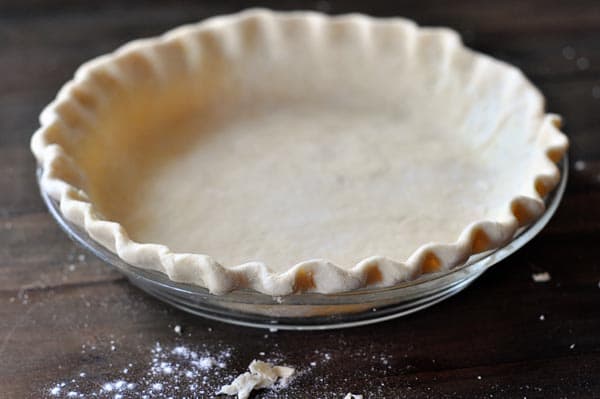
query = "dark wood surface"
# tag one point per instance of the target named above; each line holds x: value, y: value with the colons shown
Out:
x: 62, y: 315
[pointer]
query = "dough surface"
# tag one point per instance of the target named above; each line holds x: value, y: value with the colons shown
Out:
x: 285, y: 183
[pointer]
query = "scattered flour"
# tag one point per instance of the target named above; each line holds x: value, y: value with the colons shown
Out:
x: 261, y: 375
x: 181, y: 371
x: 176, y: 372
x: 543, y: 277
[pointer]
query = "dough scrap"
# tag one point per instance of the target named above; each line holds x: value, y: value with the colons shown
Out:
x: 261, y: 375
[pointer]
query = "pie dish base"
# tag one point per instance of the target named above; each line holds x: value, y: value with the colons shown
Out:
x: 313, y: 311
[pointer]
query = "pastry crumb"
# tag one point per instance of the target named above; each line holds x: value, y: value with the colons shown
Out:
x: 353, y: 396
x: 542, y: 277
x: 261, y: 375
x: 572, y: 346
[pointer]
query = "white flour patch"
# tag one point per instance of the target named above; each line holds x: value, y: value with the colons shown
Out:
x: 171, y: 372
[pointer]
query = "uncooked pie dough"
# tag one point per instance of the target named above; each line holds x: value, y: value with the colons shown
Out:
x: 290, y: 152
x: 261, y: 375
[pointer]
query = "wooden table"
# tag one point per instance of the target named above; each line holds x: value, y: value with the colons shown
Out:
x: 67, y: 318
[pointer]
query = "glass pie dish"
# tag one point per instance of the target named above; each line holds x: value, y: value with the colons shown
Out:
x: 300, y: 169
x: 310, y: 311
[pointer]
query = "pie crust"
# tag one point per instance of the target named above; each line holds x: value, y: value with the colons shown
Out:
x: 293, y: 152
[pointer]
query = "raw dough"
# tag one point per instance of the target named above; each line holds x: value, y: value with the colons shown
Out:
x: 261, y: 375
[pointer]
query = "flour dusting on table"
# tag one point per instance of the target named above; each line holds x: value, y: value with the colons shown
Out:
x: 172, y: 372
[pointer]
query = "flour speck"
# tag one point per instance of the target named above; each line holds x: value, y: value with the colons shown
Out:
x: 157, y: 387
x: 583, y: 63
x: 542, y: 277
x: 569, y: 53
x: 580, y: 165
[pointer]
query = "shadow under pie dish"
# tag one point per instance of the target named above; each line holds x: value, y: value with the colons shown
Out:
x: 298, y: 153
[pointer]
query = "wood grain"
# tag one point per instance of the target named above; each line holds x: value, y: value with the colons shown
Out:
x: 487, y: 341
